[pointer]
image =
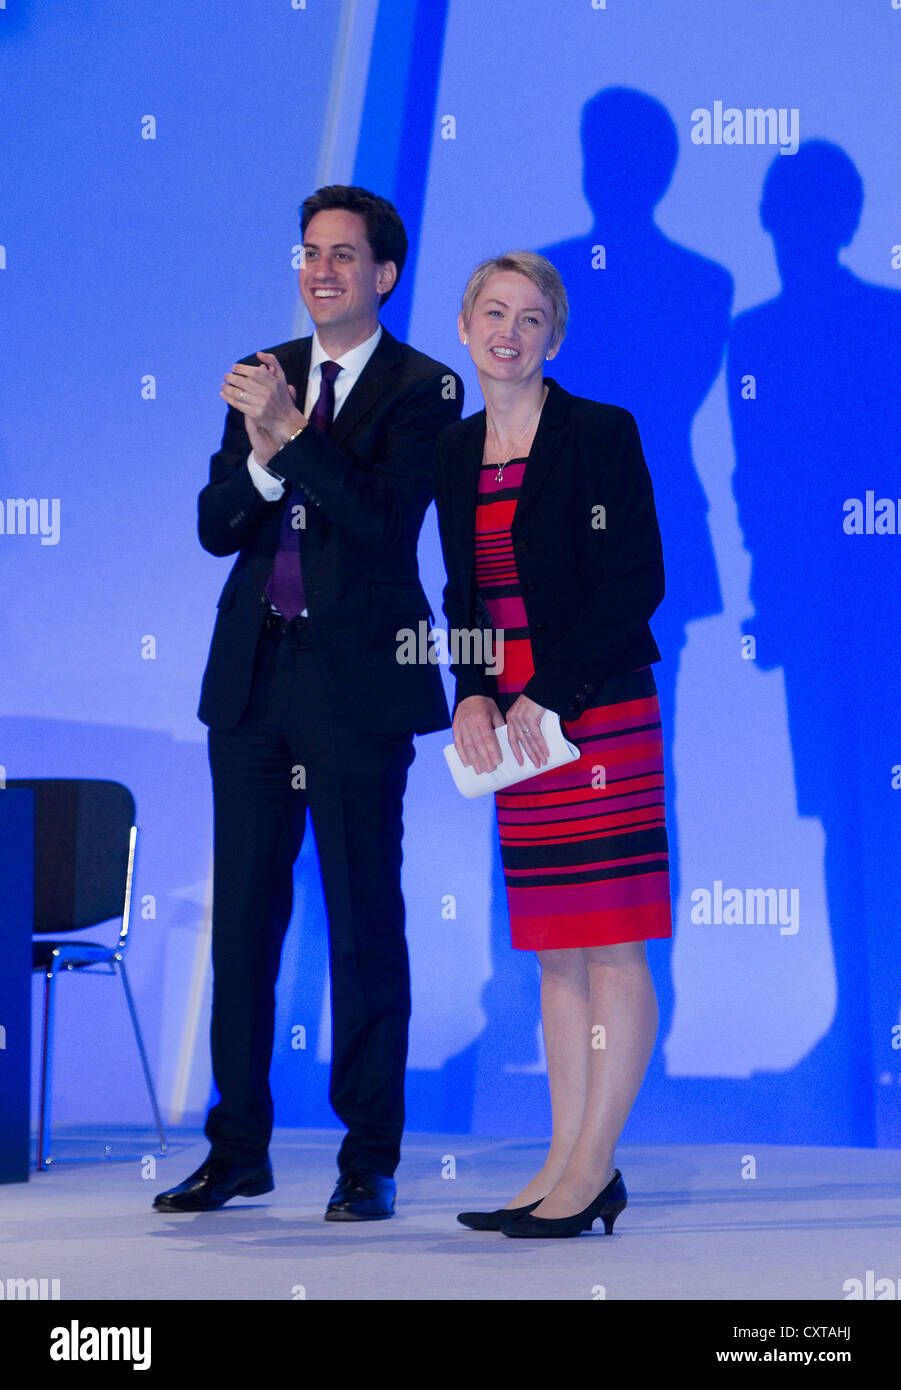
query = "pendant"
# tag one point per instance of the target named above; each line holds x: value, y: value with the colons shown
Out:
x: 499, y: 475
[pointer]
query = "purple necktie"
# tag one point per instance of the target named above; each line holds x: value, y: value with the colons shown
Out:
x: 285, y: 587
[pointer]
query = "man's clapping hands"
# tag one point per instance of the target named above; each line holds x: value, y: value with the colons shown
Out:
x: 267, y: 402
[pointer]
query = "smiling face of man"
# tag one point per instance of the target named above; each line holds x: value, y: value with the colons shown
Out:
x: 340, y: 283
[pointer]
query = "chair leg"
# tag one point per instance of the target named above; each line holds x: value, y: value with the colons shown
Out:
x: 43, y: 1153
x: 147, y: 1077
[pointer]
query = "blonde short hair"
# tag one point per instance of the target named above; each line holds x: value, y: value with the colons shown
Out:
x: 538, y: 269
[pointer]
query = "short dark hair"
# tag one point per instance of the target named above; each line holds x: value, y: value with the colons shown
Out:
x: 385, y: 231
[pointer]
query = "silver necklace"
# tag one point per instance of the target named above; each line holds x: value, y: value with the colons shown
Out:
x: 499, y: 475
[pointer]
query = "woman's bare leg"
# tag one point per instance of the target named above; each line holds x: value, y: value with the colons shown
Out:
x: 622, y: 1002
x: 565, y: 1021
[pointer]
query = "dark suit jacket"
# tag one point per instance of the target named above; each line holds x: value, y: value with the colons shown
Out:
x: 589, y: 590
x: 367, y: 486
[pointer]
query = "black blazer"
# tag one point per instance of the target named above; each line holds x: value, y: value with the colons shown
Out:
x: 367, y: 486
x: 589, y: 589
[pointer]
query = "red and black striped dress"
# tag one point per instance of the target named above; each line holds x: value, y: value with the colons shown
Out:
x: 584, y: 848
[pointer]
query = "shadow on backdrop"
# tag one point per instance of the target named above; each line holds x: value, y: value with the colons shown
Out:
x: 814, y: 382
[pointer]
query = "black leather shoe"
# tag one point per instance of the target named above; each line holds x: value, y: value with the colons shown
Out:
x: 214, y: 1184
x: 361, y: 1197
x: 492, y: 1220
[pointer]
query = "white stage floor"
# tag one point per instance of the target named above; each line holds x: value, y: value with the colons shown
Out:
x: 811, y: 1220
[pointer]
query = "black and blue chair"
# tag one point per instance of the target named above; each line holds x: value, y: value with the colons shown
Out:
x: 84, y: 858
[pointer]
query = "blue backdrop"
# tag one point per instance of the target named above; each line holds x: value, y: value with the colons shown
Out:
x: 718, y: 187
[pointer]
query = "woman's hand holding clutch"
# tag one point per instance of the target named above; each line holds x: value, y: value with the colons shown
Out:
x: 475, y: 720
x: 509, y: 770
x: 523, y: 728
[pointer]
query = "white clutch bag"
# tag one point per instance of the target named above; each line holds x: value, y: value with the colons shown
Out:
x: 509, y: 771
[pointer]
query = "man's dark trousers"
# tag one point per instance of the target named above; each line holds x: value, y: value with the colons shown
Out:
x: 289, y: 753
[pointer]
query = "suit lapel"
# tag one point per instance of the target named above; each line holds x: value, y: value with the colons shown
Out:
x: 550, y: 437
x: 372, y: 383
x: 470, y: 467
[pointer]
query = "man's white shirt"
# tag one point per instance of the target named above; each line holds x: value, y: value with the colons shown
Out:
x: 268, y: 483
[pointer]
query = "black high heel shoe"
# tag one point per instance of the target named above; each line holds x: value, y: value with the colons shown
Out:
x: 493, y: 1220
x: 607, y: 1205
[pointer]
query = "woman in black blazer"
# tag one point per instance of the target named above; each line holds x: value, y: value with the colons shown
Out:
x: 550, y: 537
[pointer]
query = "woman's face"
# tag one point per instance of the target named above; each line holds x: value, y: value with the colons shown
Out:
x: 511, y: 327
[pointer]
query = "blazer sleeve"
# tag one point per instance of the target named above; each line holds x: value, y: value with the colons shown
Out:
x: 230, y: 509
x: 382, y: 507
x: 618, y: 610
x: 470, y: 676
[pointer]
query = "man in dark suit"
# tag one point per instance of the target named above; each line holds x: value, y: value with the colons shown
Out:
x: 320, y: 487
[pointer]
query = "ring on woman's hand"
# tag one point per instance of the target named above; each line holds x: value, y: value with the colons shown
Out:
x: 242, y: 395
